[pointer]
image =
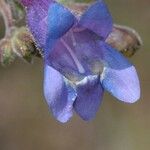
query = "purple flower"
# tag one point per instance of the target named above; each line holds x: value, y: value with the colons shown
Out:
x: 78, y: 63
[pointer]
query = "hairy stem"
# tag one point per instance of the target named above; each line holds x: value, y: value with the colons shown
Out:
x: 5, y: 10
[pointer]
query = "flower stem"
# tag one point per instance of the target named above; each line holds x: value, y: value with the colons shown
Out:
x: 5, y: 11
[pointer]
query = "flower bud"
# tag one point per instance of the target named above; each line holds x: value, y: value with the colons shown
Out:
x: 23, y: 45
x: 125, y: 39
x: 6, y: 52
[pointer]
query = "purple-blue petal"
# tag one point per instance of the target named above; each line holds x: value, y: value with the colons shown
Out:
x: 89, y: 97
x: 60, y: 20
x: 119, y: 76
x: 98, y: 19
x: 77, y: 54
x: 59, y: 95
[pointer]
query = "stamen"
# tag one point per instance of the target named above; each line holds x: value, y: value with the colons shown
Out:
x: 78, y: 64
x: 73, y: 39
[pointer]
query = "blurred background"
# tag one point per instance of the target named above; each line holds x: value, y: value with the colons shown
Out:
x: 26, y: 124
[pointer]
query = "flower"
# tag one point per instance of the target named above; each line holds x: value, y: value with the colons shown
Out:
x: 78, y: 64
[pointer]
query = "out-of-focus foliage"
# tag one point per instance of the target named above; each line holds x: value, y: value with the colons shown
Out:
x: 17, y: 11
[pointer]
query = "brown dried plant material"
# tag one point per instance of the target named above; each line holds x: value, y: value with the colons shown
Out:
x: 125, y: 39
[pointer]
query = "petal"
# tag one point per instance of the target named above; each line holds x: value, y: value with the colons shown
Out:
x: 89, y: 96
x: 37, y: 13
x: 98, y: 19
x: 60, y: 20
x: 119, y: 76
x: 59, y: 96
x: 76, y: 55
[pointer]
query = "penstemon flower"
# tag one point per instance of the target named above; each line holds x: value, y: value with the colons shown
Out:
x: 78, y: 64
